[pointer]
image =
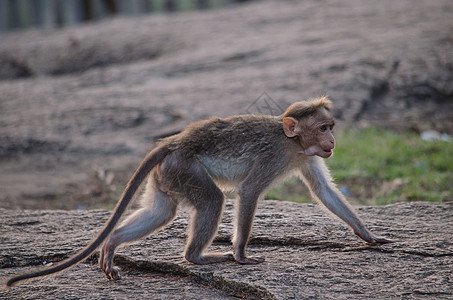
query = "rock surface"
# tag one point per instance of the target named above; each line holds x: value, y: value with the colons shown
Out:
x: 309, y: 255
x: 79, y: 107
x: 80, y: 104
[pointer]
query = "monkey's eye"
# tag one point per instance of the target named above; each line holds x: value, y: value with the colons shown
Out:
x: 324, y: 128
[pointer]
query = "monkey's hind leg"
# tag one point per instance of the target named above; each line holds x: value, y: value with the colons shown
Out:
x: 201, y: 233
x: 208, y: 201
x: 143, y: 222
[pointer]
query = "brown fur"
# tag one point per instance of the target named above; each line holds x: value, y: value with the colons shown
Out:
x: 303, y: 109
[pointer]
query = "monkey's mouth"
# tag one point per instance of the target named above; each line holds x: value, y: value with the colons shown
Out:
x: 327, y: 152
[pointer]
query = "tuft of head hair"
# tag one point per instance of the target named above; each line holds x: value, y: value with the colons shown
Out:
x: 304, y: 109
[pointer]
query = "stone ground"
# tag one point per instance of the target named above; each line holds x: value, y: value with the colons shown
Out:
x: 309, y: 255
x: 80, y: 107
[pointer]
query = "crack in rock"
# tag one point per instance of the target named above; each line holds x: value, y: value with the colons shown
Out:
x: 13, y: 261
x: 319, y: 245
x: 209, y: 279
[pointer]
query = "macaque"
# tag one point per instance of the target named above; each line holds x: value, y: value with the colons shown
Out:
x: 246, y: 152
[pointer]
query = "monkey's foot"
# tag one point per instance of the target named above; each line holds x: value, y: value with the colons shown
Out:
x: 210, y: 258
x: 253, y: 260
x: 106, y: 263
x: 113, y: 273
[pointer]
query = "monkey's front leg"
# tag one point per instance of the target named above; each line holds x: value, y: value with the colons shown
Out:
x: 317, y: 177
x: 245, y: 213
x: 335, y: 202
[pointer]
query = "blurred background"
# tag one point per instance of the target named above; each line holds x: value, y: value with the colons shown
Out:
x: 87, y: 87
x: 56, y: 13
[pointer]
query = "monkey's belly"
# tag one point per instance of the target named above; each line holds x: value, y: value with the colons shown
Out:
x: 227, y: 172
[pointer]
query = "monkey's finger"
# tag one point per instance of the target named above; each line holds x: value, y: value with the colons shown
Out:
x: 381, y: 241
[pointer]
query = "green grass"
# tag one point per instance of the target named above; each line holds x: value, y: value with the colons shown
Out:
x: 381, y: 167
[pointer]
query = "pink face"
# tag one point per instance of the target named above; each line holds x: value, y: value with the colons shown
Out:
x: 315, y: 133
x: 322, y: 151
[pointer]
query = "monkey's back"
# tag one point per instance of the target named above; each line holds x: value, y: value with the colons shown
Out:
x: 234, y: 136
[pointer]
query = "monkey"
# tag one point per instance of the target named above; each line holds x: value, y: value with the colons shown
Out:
x: 245, y: 152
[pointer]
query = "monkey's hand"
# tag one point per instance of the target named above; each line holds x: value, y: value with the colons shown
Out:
x: 372, y: 239
x: 380, y: 241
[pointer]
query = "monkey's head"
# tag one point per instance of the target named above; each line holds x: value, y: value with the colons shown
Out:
x: 311, y: 123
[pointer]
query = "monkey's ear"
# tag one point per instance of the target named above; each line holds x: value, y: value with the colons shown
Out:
x: 290, y: 127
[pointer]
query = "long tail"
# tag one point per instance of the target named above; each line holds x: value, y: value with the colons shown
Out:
x: 149, y: 162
